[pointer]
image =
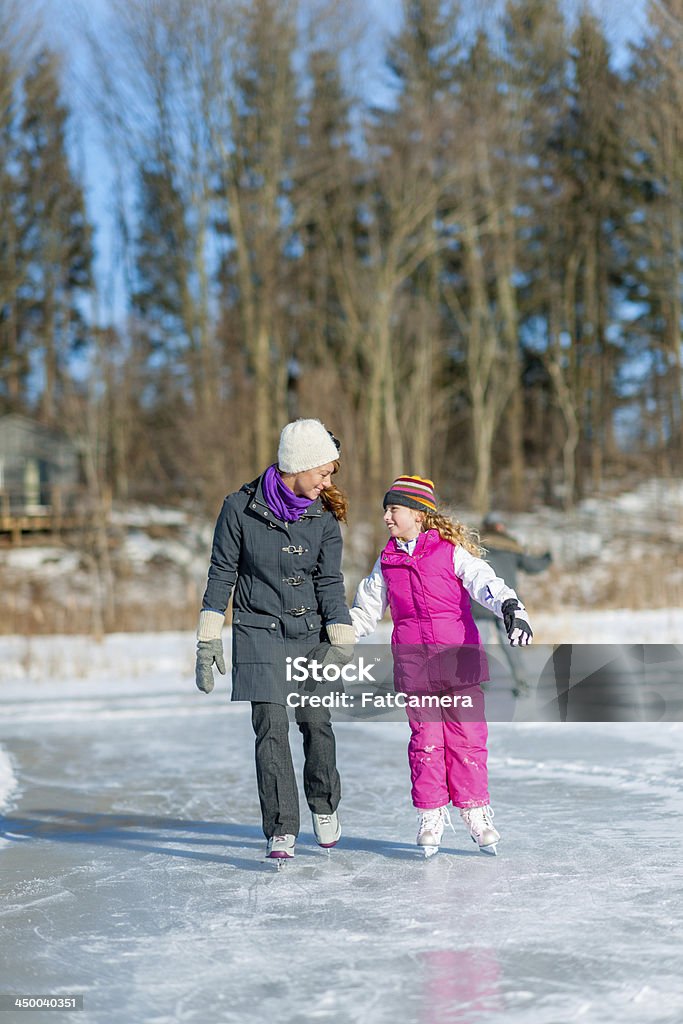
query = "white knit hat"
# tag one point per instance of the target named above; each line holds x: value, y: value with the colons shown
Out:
x: 305, y: 444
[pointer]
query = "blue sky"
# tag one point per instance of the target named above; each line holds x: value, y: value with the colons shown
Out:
x: 623, y: 20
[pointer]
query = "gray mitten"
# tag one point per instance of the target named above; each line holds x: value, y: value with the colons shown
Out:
x: 209, y: 652
x: 337, y: 651
x: 342, y: 641
x: 325, y: 654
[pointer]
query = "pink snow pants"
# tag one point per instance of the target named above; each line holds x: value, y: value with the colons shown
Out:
x: 448, y: 762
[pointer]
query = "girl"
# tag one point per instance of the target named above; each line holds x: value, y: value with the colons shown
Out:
x: 427, y: 572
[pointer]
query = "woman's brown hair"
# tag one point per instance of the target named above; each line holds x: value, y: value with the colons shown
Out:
x: 334, y: 500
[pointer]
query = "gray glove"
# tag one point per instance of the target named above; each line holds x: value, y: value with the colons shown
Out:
x: 208, y: 653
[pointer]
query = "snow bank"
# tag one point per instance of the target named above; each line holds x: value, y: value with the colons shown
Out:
x: 8, y: 782
x: 7, y: 778
x: 122, y: 659
x: 47, y: 560
x: 574, y: 626
x: 131, y: 662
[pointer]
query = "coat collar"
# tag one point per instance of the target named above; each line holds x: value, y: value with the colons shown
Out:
x: 259, y: 504
x: 422, y: 539
x: 425, y: 542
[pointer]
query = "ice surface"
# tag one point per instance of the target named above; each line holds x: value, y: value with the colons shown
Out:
x: 133, y: 874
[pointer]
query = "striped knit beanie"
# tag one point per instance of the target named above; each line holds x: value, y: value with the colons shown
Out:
x: 413, y: 492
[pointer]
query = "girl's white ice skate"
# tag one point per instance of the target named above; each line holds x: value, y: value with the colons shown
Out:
x: 430, y: 829
x: 479, y: 821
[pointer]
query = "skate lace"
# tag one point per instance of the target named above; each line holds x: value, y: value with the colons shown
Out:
x: 429, y: 820
x: 324, y: 819
x: 279, y: 839
x: 479, y: 817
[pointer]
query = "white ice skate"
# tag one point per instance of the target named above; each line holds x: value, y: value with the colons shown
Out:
x: 280, y: 849
x: 327, y: 828
x: 430, y: 829
x: 479, y: 821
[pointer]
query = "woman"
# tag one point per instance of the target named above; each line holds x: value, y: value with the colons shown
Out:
x: 278, y: 543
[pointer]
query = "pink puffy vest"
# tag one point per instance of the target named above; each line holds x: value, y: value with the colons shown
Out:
x: 432, y: 618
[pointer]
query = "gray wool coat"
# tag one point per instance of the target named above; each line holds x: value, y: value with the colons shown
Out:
x: 287, y: 586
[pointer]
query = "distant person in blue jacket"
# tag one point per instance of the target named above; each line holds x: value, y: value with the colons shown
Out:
x: 506, y: 556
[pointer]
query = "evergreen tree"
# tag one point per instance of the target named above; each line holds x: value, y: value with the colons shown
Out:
x: 537, y: 72
x: 56, y: 236
x: 424, y: 56
x: 593, y: 163
x: 13, y: 358
x: 161, y: 252
x: 325, y: 198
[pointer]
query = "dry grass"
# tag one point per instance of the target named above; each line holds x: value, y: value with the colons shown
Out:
x: 637, y: 583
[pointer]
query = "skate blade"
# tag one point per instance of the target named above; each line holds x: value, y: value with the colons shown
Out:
x: 490, y: 849
x: 430, y: 851
x: 277, y: 862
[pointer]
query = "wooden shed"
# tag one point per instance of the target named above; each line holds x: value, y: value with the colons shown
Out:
x: 39, y: 476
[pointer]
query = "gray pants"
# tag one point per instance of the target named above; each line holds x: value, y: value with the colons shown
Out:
x: 277, y: 788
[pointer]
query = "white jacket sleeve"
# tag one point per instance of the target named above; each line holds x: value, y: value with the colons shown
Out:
x: 370, y: 602
x: 481, y: 582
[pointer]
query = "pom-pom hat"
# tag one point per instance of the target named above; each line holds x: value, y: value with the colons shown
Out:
x: 413, y: 492
x: 305, y: 444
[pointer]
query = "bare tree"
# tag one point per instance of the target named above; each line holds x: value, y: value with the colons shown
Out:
x: 481, y: 294
x: 252, y: 126
x: 153, y: 99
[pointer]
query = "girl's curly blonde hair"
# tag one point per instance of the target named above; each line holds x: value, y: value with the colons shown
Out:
x: 452, y: 530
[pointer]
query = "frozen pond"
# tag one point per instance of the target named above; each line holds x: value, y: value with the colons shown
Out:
x: 132, y: 873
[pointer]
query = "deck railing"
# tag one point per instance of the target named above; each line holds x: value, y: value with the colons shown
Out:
x: 61, y: 508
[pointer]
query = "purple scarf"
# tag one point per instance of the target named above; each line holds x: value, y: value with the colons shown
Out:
x: 282, y: 502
